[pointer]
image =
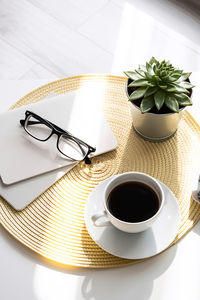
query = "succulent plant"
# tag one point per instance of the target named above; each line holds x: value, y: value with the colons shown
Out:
x: 159, y: 84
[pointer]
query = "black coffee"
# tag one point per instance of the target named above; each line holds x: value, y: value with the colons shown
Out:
x: 133, y: 202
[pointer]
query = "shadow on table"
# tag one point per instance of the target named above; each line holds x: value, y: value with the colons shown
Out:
x: 129, y: 282
x: 134, y: 281
x: 196, y: 228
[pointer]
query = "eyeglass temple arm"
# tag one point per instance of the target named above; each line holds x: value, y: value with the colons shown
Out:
x: 22, y: 122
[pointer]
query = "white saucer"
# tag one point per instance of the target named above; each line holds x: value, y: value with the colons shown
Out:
x: 134, y: 245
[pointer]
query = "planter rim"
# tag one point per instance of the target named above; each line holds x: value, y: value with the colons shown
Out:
x: 158, y: 115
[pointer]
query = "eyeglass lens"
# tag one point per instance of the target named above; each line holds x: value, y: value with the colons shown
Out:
x: 37, y: 129
x: 66, y: 144
x: 69, y: 147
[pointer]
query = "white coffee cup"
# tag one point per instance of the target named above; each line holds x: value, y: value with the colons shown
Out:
x: 105, y: 217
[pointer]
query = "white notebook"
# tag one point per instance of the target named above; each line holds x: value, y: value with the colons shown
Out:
x: 24, y: 157
x: 28, y: 167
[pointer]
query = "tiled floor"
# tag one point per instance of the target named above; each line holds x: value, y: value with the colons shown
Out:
x: 51, y: 39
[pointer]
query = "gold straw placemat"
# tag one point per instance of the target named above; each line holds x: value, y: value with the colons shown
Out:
x: 53, y: 225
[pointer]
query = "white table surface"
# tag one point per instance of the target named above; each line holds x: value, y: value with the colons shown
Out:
x: 25, y: 275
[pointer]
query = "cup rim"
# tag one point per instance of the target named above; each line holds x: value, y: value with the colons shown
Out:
x: 147, y: 220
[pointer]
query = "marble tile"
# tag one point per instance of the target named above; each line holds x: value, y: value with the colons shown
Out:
x: 69, y: 12
x: 22, y: 87
x: 38, y: 72
x: 13, y: 64
x: 181, y: 16
x: 49, y: 43
x: 104, y: 26
x: 133, y: 36
x: 51, y: 39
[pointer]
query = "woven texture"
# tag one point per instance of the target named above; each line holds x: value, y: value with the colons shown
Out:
x: 53, y: 225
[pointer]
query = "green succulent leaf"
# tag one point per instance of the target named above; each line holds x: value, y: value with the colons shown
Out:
x: 139, y: 93
x: 139, y: 82
x: 176, y: 72
x: 153, y: 61
x: 163, y: 87
x: 149, y: 68
x: 147, y: 104
x: 164, y: 74
x: 142, y: 68
x: 172, y: 103
x: 159, y: 98
x: 150, y: 91
x: 185, y: 76
x: 156, y: 78
x: 163, y: 63
x: 155, y: 68
x: 174, y: 87
x: 148, y: 76
x: 186, y: 84
x: 165, y: 79
x: 140, y: 72
x: 174, y: 78
x: 183, y: 99
x: 132, y: 75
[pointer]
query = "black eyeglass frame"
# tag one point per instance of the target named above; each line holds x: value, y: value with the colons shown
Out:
x: 60, y: 133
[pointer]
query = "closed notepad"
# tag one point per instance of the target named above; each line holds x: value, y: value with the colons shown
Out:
x: 79, y: 112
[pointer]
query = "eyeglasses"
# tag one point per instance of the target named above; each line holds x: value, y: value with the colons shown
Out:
x: 70, y: 146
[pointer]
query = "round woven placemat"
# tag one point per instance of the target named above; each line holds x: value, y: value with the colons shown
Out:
x: 53, y: 225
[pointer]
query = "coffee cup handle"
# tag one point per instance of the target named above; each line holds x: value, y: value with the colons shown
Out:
x: 100, y: 223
